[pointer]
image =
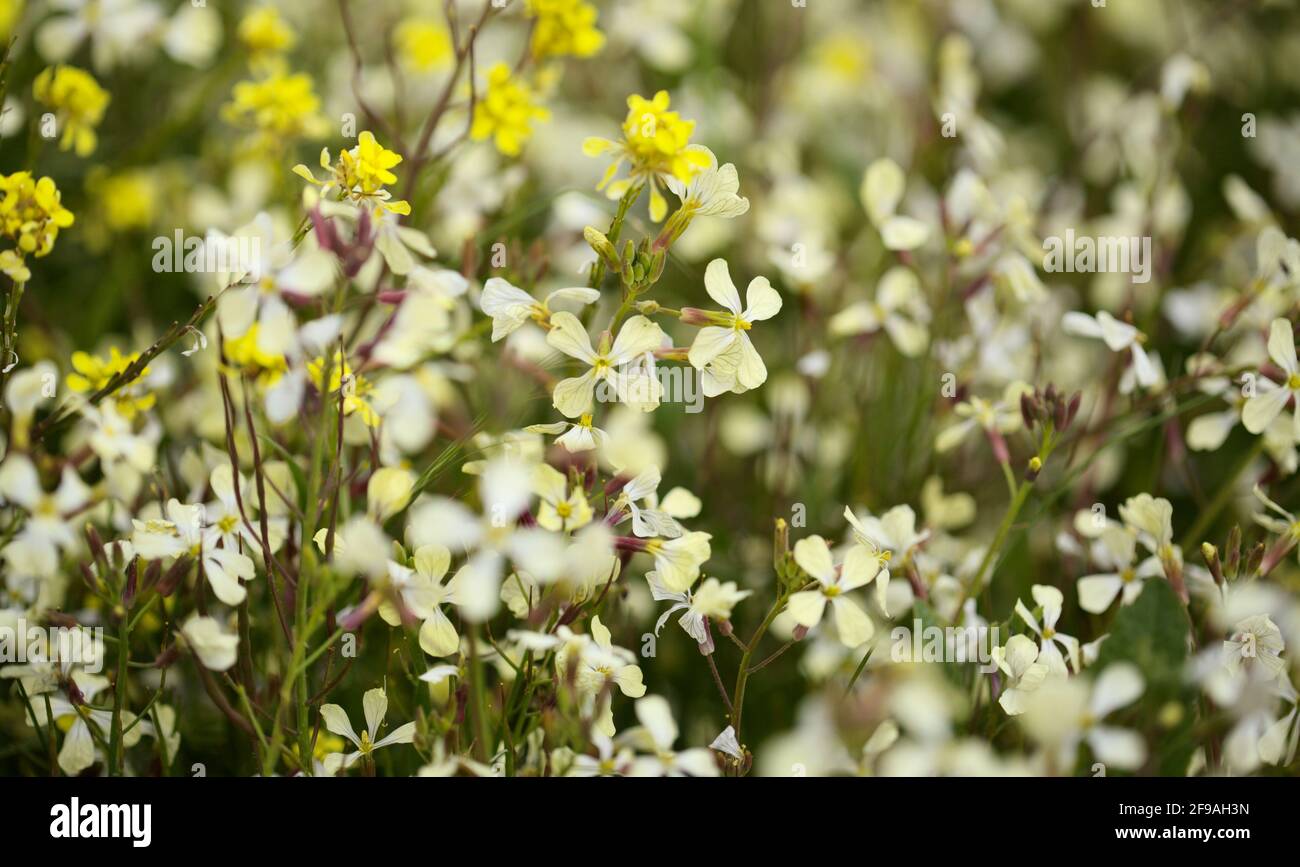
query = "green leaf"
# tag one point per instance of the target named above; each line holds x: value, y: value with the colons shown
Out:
x: 1152, y: 633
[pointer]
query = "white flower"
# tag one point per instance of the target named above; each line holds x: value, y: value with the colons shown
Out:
x: 723, y: 350
x: 423, y: 593
x: 1278, y: 744
x: 656, y: 736
x: 375, y: 705
x: 1063, y: 712
x: 187, y: 533
x: 560, y: 510
x: 892, y: 534
x: 489, y: 538
x: 78, y: 751
x: 216, y: 649
x: 1118, y: 337
x: 277, y: 268
x: 579, y: 436
x: 808, y: 606
x: 1287, y: 525
x: 573, y: 396
x: 711, y: 192
x: 1051, y: 600
x: 899, y: 308
x: 1002, y: 416
x: 678, y: 561
x: 1266, y: 405
x: 1019, y: 661
x: 648, y: 520
x: 1116, y: 549
x: 34, y: 550
x: 118, y: 30
x: 881, y: 191
x: 713, y: 599
x: 1256, y: 645
x: 510, y: 307
x: 728, y: 744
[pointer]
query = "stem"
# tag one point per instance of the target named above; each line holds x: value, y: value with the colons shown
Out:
x: 115, y: 758
x: 615, y: 228
x: 1013, y: 511
x: 477, y: 696
x: 1226, y: 489
x: 742, y: 677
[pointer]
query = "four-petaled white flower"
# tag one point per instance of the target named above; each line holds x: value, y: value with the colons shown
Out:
x: 1018, y: 660
x: 1116, y: 549
x: 899, y: 309
x: 807, y: 607
x: 510, y: 307
x: 186, y: 532
x: 375, y: 705
x: 712, y: 599
x: 638, y: 336
x: 1051, y: 600
x: 712, y: 191
x: 1063, y: 712
x: 1118, y: 337
x: 1271, y: 397
x: 655, y: 738
x: 722, y: 349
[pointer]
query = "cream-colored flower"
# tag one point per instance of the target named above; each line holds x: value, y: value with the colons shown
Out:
x: 899, y: 309
x: 215, y: 648
x: 1267, y: 404
x: 808, y: 606
x: 1019, y: 662
x: 560, y: 509
x: 510, y: 307
x: 722, y: 349
x: 1051, y: 600
x: 375, y: 705
x: 573, y: 396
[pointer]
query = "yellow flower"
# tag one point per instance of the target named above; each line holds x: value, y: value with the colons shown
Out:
x: 424, y: 43
x: 657, y: 143
x: 126, y: 199
x: 77, y: 100
x: 278, y: 106
x: 506, y: 112
x: 31, y: 214
x: 94, y: 373
x: 10, y: 11
x: 264, y: 32
x: 354, y: 386
x: 360, y: 174
x: 564, y: 27
x: 242, y: 354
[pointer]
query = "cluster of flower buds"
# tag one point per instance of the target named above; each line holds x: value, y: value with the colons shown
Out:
x: 639, y: 265
x: 110, y: 565
x: 351, y: 254
x: 1048, y: 409
x: 1233, y: 566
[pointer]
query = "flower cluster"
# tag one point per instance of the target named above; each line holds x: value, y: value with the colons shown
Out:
x: 862, y: 417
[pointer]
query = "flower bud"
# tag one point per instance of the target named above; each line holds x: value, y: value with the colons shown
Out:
x: 598, y: 242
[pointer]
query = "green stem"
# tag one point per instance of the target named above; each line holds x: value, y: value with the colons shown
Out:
x: 478, y: 697
x: 1226, y: 491
x: 742, y: 677
x: 115, y: 758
